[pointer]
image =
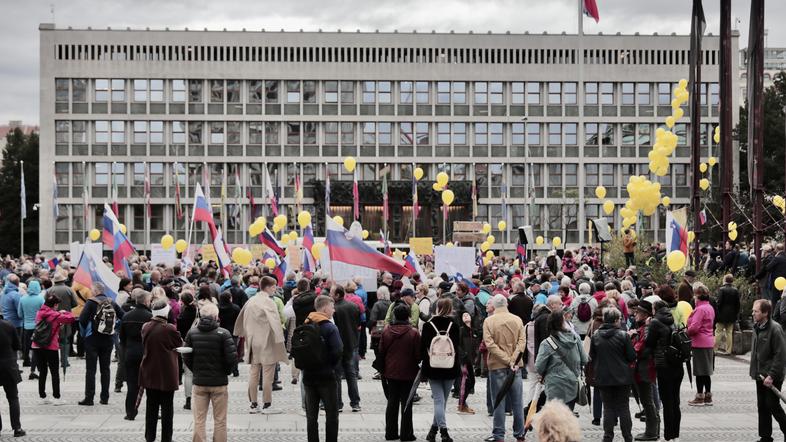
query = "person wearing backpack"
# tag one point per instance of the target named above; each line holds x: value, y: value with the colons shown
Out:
x: 439, y: 346
x: 46, y: 343
x: 317, y: 357
x: 668, y: 370
x: 97, y: 324
x: 584, y: 305
x: 700, y: 330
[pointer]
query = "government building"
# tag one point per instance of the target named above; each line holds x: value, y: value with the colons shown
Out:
x: 530, y: 123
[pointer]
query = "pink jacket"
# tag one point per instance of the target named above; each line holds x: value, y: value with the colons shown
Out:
x: 57, y: 319
x: 700, y: 325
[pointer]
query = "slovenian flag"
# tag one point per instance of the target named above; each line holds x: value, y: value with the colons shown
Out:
x: 411, y: 262
x: 344, y: 247
x: 89, y: 273
x: 309, y: 263
x: 122, y: 248
x: 676, y: 232
x: 53, y: 263
x: 591, y: 10
x: 267, y: 238
x: 203, y: 211
x: 220, y: 247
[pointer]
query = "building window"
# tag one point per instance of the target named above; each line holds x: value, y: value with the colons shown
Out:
x: 272, y: 129
x: 497, y: 137
x: 118, y: 90
x: 422, y: 131
x: 569, y: 92
x: 347, y: 92
x: 607, y: 93
x: 517, y: 133
x: 443, y: 92
x: 79, y: 90
x: 459, y: 92
x: 156, y: 132
x: 643, y: 94
x: 118, y: 131
x: 555, y: 93
x: 460, y: 133
x: 481, y: 92
x: 571, y: 137
x: 347, y: 133
x: 255, y: 91
x: 369, y: 92
x: 271, y: 91
x: 571, y: 175
x: 62, y: 130
x: 195, y: 91
x: 293, y: 91
x: 591, y: 93
x: 591, y: 134
x: 79, y: 132
x: 331, y: 132
x: 140, y: 132
x: 608, y: 175
x: 178, y: 132
x: 119, y: 174
x: 385, y: 133
x: 664, y: 94
x: 405, y: 92
x: 178, y: 91
x: 680, y: 174
x: 233, y: 132
x: 216, y: 91
x: 533, y: 93
x: 383, y: 88
x: 591, y: 175
x: 496, y: 93
x: 533, y: 134
x: 61, y: 90
x: 406, y: 135
x: 628, y: 134
x: 555, y: 134
x: 101, y: 174
x: 233, y: 91
x: 517, y: 92
x: 481, y: 134
x: 217, y: 132
x: 608, y: 134
x: 369, y: 133
x: 101, y: 90
x: 195, y: 132
x: 555, y: 175
x: 309, y: 91
x: 628, y: 94
x: 293, y: 132
x: 255, y: 132
x: 644, y: 134
x: 156, y: 91
x: 422, y: 92
x: 681, y: 130
x: 443, y: 133
x: 714, y: 94
x: 331, y: 91
x: 140, y: 90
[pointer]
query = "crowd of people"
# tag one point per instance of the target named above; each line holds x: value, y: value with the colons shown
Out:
x: 544, y: 335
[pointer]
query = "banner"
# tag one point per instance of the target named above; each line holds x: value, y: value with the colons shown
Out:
x: 422, y: 246
x: 160, y: 256
x: 208, y: 253
x: 453, y: 260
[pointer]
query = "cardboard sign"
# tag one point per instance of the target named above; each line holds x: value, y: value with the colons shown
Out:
x: 257, y: 250
x: 208, y: 253
x: 295, y: 261
x: 76, y: 249
x: 453, y: 260
x: 160, y: 256
x: 422, y: 246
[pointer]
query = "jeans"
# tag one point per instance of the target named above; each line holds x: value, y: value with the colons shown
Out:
x: 597, y: 404
x: 440, y: 391
x: 326, y: 393
x: 347, y: 368
x: 724, y: 333
x: 616, y: 401
x: 398, y: 391
x: 156, y: 399
x: 629, y: 259
x: 497, y: 378
x: 97, y: 352
x: 769, y: 406
x: 47, y: 359
x: 12, y: 395
x: 267, y: 382
x: 650, y: 412
x: 669, y: 380
x: 132, y: 383
x: 202, y: 398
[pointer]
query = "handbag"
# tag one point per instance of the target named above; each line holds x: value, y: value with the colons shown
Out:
x: 582, y: 395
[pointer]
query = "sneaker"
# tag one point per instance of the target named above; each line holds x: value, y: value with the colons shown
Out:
x: 254, y: 408
x: 187, y: 405
x: 596, y: 422
x: 44, y: 401
x: 698, y: 401
x: 277, y: 387
x: 58, y: 402
x: 104, y: 401
x: 707, y: 399
x: 118, y: 389
x: 86, y: 402
x: 465, y: 409
x: 19, y: 433
x: 356, y: 408
x: 377, y: 376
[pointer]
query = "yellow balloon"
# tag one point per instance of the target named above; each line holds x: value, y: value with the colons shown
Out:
x: 704, y: 183
x: 244, y: 256
x: 261, y: 220
x: 675, y: 104
x: 556, y: 241
x: 670, y: 122
x: 683, y: 83
x: 167, y: 241
x: 732, y: 225
x: 703, y: 167
x: 293, y: 236
x: 677, y: 113
x: 665, y: 201
x: 491, y: 240
x: 486, y: 261
x: 490, y: 254
x: 600, y: 192
x: 502, y: 225
x: 733, y: 235
x: 281, y: 220
x: 675, y: 260
x: 256, y: 229
x: 285, y: 238
x: 349, y: 164
x: 449, y: 244
x: 780, y: 283
x: 276, y: 228
x: 418, y: 173
x: 304, y: 219
x: 339, y: 220
x: 447, y: 197
x: 716, y: 138
x: 712, y: 161
x: 486, y: 228
x: 608, y: 207
x: 485, y: 246
x: 270, y: 263
x: 539, y: 240
x: 123, y: 228
x: 691, y: 236
x: 442, y: 178
x: 437, y: 187
x: 316, y: 250
x: 181, y: 245
x: 365, y: 234
x: 94, y: 235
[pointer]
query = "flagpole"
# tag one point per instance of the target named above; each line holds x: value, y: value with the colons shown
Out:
x: 22, y: 215
x: 414, y: 209
x: 581, y: 20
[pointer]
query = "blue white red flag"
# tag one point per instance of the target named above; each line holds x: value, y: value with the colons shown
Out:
x: 220, y: 247
x: 203, y: 211
x: 411, y: 262
x: 122, y: 248
x: 468, y: 282
x: 53, y: 263
x: 272, y: 199
x: 676, y: 232
x: 591, y: 10
x: 355, y: 196
x: 90, y: 273
x: 703, y: 217
x: 309, y: 263
x: 385, y: 243
x: 327, y: 191
x: 267, y: 238
x: 350, y: 249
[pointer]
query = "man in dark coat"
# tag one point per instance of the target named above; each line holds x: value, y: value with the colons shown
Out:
x: 775, y: 268
x: 9, y: 372
x: 131, y: 338
x: 303, y: 304
x: 98, y: 346
x: 347, y: 319
x: 520, y: 304
x: 768, y: 357
x: 728, y: 310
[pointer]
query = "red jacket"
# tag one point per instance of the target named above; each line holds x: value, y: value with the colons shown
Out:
x: 400, y: 348
x: 55, y: 318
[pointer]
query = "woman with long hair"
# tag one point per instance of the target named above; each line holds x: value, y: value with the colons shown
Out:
x: 560, y: 360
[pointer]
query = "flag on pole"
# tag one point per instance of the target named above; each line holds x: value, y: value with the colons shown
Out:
x: 52, y: 263
x: 238, y: 194
x: 113, y: 196
x: 206, y: 179
x: 474, y: 195
x: 327, y: 190
x: 122, y: 248
x: 178, y: 204
x: 222, y: 211
x: 385, y: 244
x: 148, y: 205
x: 56, y: 207
x: 355, y: 195
x: 85, y: 204
x: 351, y: 249
x: 411, y: 262
x: 703, y: 217
x: 503, y: 190
x: 415, y: 205
x: 298, y: 189
x: 267, y: 238
x: 676, y: 231
x: 591, y: 10
x: 309, y: 263
x: 250, y: 196
x: 90, y: 271
x: 385, y: 207
x: 203, y: 211
x: 270, y: 194
x: 22, y: 193
x: 220, y: 247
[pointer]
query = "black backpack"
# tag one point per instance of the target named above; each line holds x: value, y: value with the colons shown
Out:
x: 42, y: 334
x: 105, y: 317
x: 678, y: 351
x: 308, y: 347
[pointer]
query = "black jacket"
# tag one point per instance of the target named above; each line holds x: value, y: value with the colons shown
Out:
x: 520, y: 304
x: 768, y: 355
x: 347, y: 319
x: 214, y: 353
x: 333, y: 350
x: 659, y: 336
x: 541, y: 327
x: 186, y: 319
x: 611, y: 353
x: 131, y: 331
x: 239, y: 297
x: 9, y: 346
x: 303, y: 304
x: 775, y: 268
x: 728, y: 304
x: 227, y: 314
x: 428, y: 333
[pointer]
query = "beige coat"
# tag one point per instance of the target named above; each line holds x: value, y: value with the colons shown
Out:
x: 260, y: 325
x: 503, y: 334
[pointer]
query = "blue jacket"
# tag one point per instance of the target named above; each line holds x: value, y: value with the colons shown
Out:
x: 30, y: 304
x: 10, y: 305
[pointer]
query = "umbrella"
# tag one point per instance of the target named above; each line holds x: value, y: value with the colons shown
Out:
x: 775, y: 390
x: 414, y: 389
x: 503, y: 391
x: 636, y: 395
x: 139, y: 395
x: 533, y: 406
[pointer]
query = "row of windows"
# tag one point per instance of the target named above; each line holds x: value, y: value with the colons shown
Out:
x: 365, y: 133
x: 349, y: 54
x: 367, y: 92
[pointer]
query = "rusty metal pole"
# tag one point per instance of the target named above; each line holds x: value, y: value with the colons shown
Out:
x: 695, y: 124
x: 755, y: 120
x: 726, y: 91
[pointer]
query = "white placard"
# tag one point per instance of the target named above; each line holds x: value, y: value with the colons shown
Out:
x: 95, y: 249
x: 453, y: 260
x: 160, y: 256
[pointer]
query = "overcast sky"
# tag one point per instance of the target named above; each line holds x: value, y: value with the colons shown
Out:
x: 19, y: 23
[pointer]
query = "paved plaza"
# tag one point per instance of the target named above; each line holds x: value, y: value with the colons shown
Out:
x: 732, y: 418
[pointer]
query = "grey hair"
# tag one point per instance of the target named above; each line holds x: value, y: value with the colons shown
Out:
x: 383, y: 293
x: 554, y: 300
x: 209, y: 310
x: 162, y: 303
x: 584, y: 288
x: 565, y: 282
x: 611, y: 315
x: 142, y: 296
x: 626, y: 285
x: 546, y: 286
x: 499, y: 301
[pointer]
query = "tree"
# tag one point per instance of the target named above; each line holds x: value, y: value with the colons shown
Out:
x: 20, y: 147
